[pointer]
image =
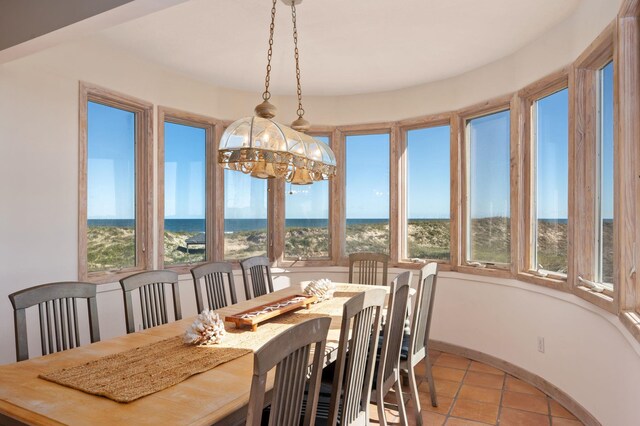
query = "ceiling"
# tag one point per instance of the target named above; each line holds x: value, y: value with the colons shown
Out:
x: 346, y: 46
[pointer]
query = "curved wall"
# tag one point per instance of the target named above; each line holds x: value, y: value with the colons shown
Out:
x: 589, y: 354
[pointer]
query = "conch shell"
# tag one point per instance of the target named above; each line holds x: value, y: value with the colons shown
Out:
x: 208, y: 328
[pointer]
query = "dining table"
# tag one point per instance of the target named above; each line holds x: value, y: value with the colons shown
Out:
x: 217, y: 396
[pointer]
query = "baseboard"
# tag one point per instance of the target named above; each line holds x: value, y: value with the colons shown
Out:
x: 526, y: 376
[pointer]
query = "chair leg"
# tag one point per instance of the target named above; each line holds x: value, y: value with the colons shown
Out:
x: 380, y: 404
x: 429, y: 377
x: 413, y: 385
x: 402, y: 411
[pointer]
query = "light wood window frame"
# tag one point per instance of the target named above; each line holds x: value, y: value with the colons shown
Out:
x: 279, y: 220
x: 403, y: 127
x: 584, y: 139
x: 213, y: 222
x: 526, y: 164
x: 462, y: 117
x: 143, y: 179
x: 341, y: 134
x: 627, y: 56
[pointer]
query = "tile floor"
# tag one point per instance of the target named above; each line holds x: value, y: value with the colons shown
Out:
x: 471, y: 393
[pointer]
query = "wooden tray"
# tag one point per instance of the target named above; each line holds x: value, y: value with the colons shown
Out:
x: 256, y: 320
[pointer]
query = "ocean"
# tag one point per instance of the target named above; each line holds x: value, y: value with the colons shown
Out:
x: 235, y: 225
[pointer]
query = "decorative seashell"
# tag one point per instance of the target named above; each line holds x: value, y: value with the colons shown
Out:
x: 208, y: 328
x: 323, y: 289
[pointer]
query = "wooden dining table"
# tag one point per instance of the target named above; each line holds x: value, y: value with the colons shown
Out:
x: 217, y: 396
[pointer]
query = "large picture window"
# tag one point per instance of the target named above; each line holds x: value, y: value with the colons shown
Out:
x: 245, y: 216
x: 367, y: 193
x: 114, y: 236
x: 550, y: 133
x: 428, y: 226
x: 488, y: 190
x: 185, y: 161
x: 307, y: 219
x: 605, y: 186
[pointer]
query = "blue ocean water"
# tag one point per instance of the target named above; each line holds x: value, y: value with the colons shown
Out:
x: 234, y: 225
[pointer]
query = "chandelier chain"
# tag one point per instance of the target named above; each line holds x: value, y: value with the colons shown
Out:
x: 300, y: 111
x: 266, y: 95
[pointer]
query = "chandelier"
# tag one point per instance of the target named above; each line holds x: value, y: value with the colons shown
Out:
x: 263, y: 148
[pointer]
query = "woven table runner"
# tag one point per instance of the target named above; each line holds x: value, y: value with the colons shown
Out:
x: 129, y: 375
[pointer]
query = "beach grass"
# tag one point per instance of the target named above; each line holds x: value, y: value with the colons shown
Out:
x: 112, y: 248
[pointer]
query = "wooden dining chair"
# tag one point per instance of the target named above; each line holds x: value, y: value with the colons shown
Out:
x: 388, y: 371
x: 151, y: 286
x: 213, y: 276
x: 289, y: 353
x: 416, y: 345
x: 350, y: 392
x: 364, y: 268
x: 58, y: 314
x: 256, y: 274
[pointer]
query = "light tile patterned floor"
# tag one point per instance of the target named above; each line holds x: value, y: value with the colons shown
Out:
x: 471, y: 393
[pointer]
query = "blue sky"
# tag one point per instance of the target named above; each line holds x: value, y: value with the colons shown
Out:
x: 428, y: 164
x: 111, y: 169
x: 184, y: 172
x: 367, y: 173
x: 111, y: 163
x: 552, y: 156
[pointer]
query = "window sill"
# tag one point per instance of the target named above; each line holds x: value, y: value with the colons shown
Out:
x: 488, y: 272
x: 110, y: 277
x: 631, y: 320
x: 602, y: 300
x: 551, y: 282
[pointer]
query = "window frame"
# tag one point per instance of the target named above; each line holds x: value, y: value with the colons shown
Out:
x: 394, y: 221
x: 504, y: 103
x: 403, y: 127
x: 627, y: 99
x: 526, y: 190
x: 213, y: 171
x: 143, y: 111
x: 584, y: 137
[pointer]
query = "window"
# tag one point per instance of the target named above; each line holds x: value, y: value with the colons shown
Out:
x: 550, y: 136
x: 367, y: 193
x: 488, y: 239
x: 245, y: 216
x: 185, y: 162
x: 307, y: 219
x: 114, y: 184
x: 428, y: 208
x: 605, y: 186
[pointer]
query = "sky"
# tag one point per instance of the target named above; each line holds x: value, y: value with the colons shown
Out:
x: 111, y: 169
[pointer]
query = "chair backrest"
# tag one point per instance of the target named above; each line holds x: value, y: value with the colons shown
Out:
x: 212, y: 275
x: 421, y: 321
x: 153, y: 302
x: 393, y: 331
x: 366, y: 266
x: 289, y: 353
x: 362, y: 315
x: 57, y: 309
x: 256, y: 274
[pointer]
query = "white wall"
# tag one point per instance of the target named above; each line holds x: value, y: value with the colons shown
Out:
x: 589, y: 355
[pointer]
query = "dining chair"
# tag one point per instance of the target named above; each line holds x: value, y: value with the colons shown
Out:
x: 416, y: 344
x: 350, y: 392
x: 256, y: 274
x: 366, y: 266
x: 58, y: 315
x: 289, y: 353
x: 388, y: 371
x: 153, y: 302
x: 212, y: 276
